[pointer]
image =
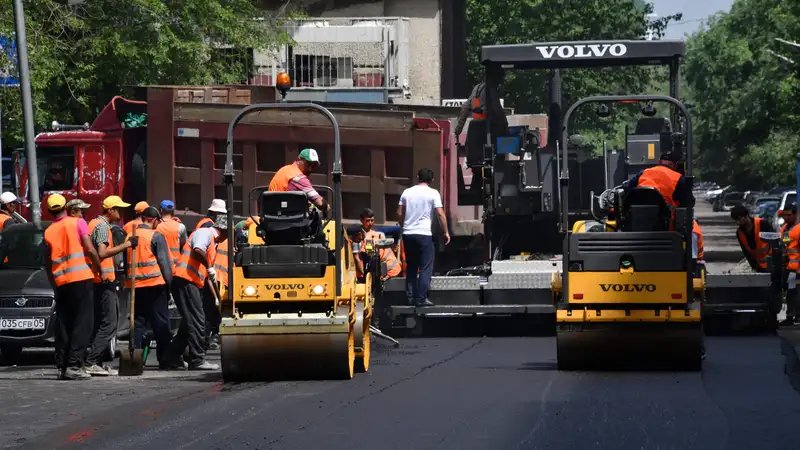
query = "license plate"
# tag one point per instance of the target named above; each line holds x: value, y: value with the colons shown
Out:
x: 34, y: 323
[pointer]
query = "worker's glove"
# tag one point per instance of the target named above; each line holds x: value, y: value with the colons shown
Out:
x: 212, y: 275
x: 134, y: 240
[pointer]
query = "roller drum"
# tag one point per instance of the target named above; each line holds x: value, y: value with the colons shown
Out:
x: 630, y: 346
x: 362, y: 337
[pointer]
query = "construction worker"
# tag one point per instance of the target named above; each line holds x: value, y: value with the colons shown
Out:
x: 70, y: 272
x: 698, y: 252
x: 217, y: 207
x: 754, y: 248
x: 790, y: 232
x: 172, y: 229
x: 477, y: 104
x: 153, y: 278
x: 106, y: 302
x: 294, y: 177
x: 141, y: 206
x: 392, y: 265
x: 414, y: 213
x: 213, y: 316
x: 194, y: 268
x: 8, y: 206
x: 665, y: 177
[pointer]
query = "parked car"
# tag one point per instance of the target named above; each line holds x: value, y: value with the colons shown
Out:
x: 728, y: 200
x: 787, y: 198
x: 753, y: 206
x: 767, y: 209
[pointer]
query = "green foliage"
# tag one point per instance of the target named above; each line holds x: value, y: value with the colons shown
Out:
x: 746, y: 98
x: 81, y: 56
x: 525, y: 21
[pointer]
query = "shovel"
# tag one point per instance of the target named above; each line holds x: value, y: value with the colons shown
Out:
x: 131, y: 362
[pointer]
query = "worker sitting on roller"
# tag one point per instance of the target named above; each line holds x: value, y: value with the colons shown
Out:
x: 754, y: 248
x: 366, y: 234
x: 666, y: 178
x: 480, y: 108
x: 790, y: 231
x: 294, y: 177
x: 217, y: 207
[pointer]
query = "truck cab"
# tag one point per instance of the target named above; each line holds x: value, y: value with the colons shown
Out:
x: 89, y: 164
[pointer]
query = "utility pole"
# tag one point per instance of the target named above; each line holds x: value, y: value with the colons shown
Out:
x: 27, y: 112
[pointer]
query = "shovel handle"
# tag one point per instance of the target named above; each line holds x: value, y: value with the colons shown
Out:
x: 132, y: 263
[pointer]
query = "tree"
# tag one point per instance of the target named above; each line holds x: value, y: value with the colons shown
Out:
x: 81, y: 56
x: 746, y: 99
x: 524, y: 21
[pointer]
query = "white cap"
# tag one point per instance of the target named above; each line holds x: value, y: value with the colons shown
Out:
x: 218, y: 206
x: 7, y: 197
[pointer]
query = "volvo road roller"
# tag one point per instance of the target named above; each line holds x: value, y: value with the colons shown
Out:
x: 625, y: 297
x: 294, y: 309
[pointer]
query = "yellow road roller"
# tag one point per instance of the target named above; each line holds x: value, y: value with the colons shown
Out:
x: 626, y: 297
x: 294, y: 309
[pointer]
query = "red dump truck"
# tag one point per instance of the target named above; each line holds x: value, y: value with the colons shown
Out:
x: 170, y: 144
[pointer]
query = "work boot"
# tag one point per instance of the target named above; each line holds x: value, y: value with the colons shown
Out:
x: 96, y: 371
x: 423, y: 303
x: 76, y: 373
x: 205, y: 365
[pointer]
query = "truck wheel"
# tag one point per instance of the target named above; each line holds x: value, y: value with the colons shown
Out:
x: 10, y: 352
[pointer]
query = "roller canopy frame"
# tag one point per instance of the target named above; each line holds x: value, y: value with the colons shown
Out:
x: 336, y: 172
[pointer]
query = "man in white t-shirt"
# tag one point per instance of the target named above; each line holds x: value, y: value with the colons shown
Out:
x: 417, y: 206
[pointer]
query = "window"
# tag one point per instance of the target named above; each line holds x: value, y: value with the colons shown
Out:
x: 56, y: 168
x: 21, y: 247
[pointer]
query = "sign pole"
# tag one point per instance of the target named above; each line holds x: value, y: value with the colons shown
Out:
x: 27, y: 112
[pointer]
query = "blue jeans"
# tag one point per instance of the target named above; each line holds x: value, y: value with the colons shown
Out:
x: 419, y: 257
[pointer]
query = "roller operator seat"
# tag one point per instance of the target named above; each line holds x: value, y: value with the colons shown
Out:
x: 646, y: 210
x: 286, y: 218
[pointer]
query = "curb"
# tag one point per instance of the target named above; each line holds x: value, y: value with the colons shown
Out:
x: 791, y: 353
x: 723, y: 255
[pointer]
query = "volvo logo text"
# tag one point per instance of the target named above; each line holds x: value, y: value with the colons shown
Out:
x: 582, y: 50
x: 628, y: 287
x: 284, y: 287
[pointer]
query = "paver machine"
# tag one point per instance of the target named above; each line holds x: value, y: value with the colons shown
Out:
x: 626, y: 294
x: 294, y: 309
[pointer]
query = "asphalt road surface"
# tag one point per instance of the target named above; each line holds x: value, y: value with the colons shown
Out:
x: 450, y: 393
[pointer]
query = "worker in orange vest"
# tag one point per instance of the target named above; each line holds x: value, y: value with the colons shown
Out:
x: 391, y: 266
x: 172, y: 229
x: 666, y: 178
x: 698, y: 251
x: 294, y: 177
x: 217, y: 207
x: 153, y: 277
x: 478, y: 107
x: 790, y: 231
x: 754, y: 248
x: 70, y: 273
x: 128, y: 227
x: 106, y: 302
x: 8, y: 205
x: 194, y: 268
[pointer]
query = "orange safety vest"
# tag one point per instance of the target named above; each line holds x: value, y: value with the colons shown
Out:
x: 190, y: 268
x: 762, y: 248
x: 699, y: 232
x: 106, y: 264
x: 202, y: 222
x: 221, y: 263
x: 792, y: 247
x: 478, y: 112
x: 392, y: 264
x: 148, y: 273
x: 171, y: 229
x: 66, y: 252
x: 4, y: 216
x: 280, y: 182
x: 662, y: 178
x: 128, y: 227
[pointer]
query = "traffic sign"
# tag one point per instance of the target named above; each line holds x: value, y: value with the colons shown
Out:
x: 9, y: 63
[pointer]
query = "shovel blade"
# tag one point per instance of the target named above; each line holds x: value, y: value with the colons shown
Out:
x: 131, y: 364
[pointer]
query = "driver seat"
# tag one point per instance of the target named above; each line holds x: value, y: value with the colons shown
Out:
x: 285, y: 218
x: 646, y: 210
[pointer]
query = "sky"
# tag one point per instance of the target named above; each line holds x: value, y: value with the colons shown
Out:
x: 694, y: 12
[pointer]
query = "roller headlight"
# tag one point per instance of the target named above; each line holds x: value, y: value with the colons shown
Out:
x: 250, y: 291
x: 318, y: 290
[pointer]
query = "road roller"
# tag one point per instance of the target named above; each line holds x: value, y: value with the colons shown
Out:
x: 626, y: 296
x: 294, y: 309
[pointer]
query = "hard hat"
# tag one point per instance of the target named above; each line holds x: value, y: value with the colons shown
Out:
x: 8, y: 197
x: 141, y: 206
x: 55, y: 202
x: 218, y: 206
x: 114, y: 201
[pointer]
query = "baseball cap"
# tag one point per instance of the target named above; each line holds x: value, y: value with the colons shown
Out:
x: 114, y: 201
x: 167, y: 205
x: 77, y: 203
x: 151, y: 213
x: 310, y: 155
x: 55, y: 202
x: 141, y: 206
x: 8, y: 197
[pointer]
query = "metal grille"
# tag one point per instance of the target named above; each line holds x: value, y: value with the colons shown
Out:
x: 340, y: 53
x: 625, y: 244
x: 33, y: 302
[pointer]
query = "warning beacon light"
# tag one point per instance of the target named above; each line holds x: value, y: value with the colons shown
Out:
x: 283, y: 82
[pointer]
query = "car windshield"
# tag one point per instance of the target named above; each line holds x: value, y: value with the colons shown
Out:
x: 21, y: 248
x: 763, y: 200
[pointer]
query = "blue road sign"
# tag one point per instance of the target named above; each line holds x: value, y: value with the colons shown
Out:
x: 9, y: 63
